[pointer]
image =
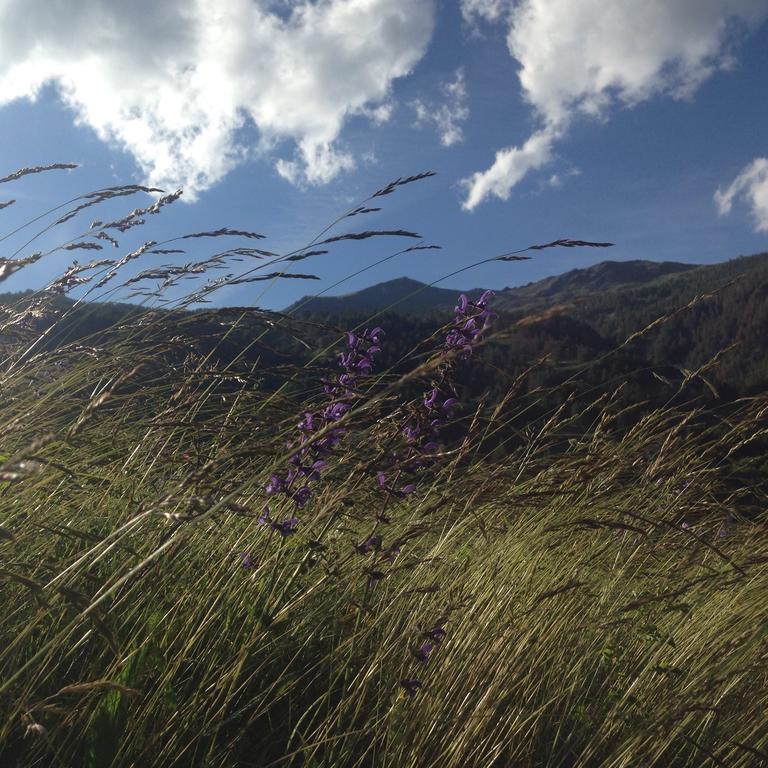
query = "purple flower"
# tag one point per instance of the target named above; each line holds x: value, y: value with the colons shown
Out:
x: 431, y: 398
x: 369, y: 545
x: 302, y: 496
x: 248, y: 561
x: 275, y: 485
x: 307, y: 460
x: 436, y: 634
x: 449, y: 403
x: 423, y: 651
x: 287, y: 527
x: 364, y: 365
x: 335, y: 411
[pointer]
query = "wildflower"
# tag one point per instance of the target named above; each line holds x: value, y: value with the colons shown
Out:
x: 248, y: 561
x: 287, y: 527
x: 369, y: 545
x: 423, y: 651
x: 302, y: 496
x: 436, y: 407
x: 275, y: 485
x: 307, y: 462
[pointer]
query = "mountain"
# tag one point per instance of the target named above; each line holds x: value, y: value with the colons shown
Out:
x: 409, y: 296
x: 577, y: 283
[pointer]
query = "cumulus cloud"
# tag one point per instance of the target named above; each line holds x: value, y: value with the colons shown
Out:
x: 174, y: 82
x: 588, y: 56
x: 751, y: 185
x: 448, y: 116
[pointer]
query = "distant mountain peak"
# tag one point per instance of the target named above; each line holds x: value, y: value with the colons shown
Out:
x: 402, y: 294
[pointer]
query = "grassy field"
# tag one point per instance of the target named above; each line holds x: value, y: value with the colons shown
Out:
x: 194, y: 572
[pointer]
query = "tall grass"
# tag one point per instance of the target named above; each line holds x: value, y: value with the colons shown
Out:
x: 592, y: 598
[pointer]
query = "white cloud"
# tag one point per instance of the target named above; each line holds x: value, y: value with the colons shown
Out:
x: 557, y: 180
x: 509, y: 167
x: 488, y: 10
x: 586, y: 56
x: 172, y: 82
x: 750, y: 185
x: 448, y: 116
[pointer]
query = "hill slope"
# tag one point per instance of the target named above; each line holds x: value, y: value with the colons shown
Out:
x: 408, y: 296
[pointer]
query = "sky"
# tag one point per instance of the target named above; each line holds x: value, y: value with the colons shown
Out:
x: 644, y: 124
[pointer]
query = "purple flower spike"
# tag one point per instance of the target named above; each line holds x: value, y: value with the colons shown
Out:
x: 382, y: 479
x: 462, y: 305
x: 309, y: 452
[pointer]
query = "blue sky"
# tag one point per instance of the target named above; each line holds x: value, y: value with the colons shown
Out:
x: 644, y: 124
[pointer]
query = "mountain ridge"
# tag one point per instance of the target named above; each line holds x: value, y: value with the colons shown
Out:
x: 409, y: 296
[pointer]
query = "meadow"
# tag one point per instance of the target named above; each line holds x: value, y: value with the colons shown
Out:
x: 241, y: 559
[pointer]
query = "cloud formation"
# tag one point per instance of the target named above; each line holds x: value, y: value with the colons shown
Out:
x: 448, y: 116
x: 173, y: 82
x: 588, y: 56
x: 487, y: 10
x: 751, y: 185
